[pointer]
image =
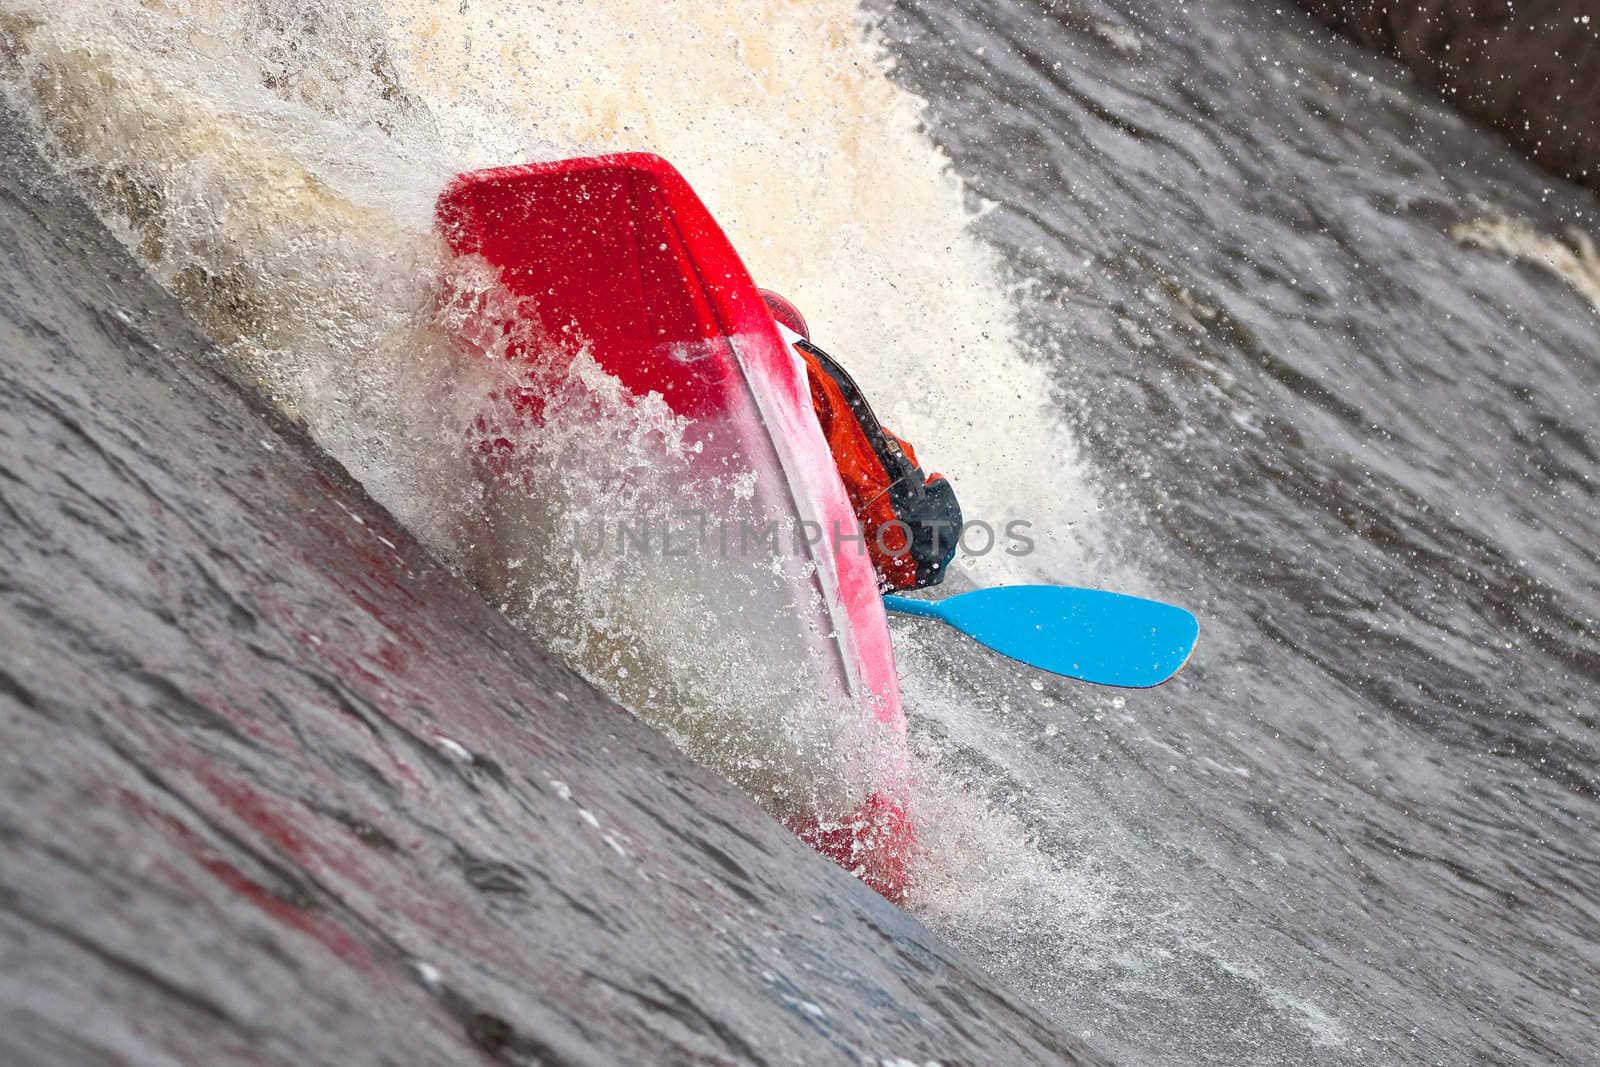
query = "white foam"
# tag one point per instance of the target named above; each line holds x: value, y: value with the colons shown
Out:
x: 276, y: 163
x: 1577, y: 264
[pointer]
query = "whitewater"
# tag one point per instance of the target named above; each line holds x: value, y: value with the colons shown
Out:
x: 238, y: 150
x: 1232, y: 314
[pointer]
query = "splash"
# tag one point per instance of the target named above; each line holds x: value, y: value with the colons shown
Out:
x: 610, y: 526
x: 274, y: 163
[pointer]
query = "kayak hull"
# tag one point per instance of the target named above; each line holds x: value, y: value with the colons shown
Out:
x: 616, y: 257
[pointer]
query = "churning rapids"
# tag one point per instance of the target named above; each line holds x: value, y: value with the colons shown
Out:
x: 1234, y: 313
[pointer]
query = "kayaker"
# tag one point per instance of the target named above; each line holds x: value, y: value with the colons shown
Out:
x: 910, y: 522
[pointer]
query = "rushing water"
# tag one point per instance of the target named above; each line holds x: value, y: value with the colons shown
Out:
x: 1249, y: 323
x: 1363, y: 447
x: 280, y: 789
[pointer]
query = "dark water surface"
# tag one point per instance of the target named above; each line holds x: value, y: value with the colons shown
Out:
x: 1362, y: 826
x: 278, y: 789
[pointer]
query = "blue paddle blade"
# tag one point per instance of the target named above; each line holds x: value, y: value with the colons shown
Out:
x: 1087, y: 634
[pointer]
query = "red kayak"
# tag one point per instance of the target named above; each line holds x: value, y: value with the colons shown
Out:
x: 617, y: 255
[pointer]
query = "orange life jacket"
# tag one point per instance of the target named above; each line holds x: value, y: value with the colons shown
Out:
x: 910, y: 522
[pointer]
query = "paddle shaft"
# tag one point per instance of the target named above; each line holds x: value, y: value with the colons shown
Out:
x: 922, y: 609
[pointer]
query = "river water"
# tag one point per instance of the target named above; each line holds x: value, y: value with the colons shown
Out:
x: 1232, y: 312
x: 1361, y: 826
